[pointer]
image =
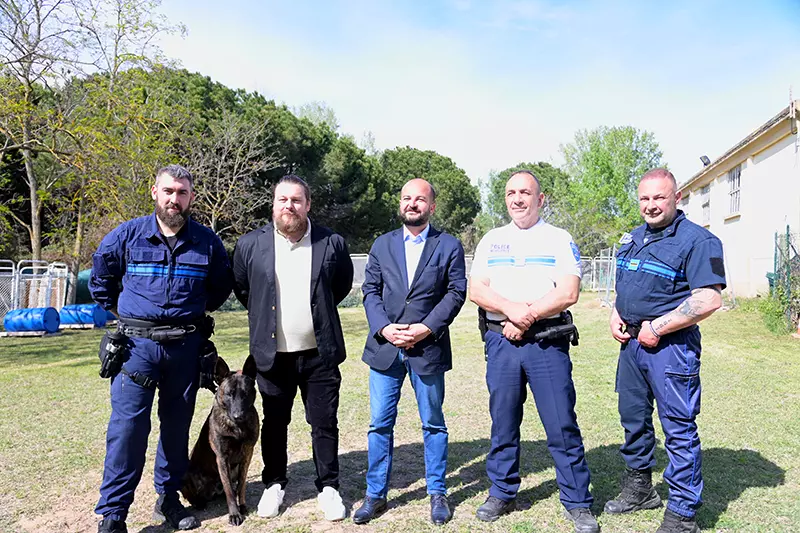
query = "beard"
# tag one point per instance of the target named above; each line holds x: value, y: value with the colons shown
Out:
x: 173, y: 221
x: 290, y: 223
x: 414, y: 218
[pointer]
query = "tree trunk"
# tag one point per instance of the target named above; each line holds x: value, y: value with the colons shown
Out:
x: 77, y: 249
x: 35, y: 230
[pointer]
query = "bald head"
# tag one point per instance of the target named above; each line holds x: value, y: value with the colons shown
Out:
x: 660, y: 173
x: 419, y: 185
x: 417, y: 203
x: 522, y: 174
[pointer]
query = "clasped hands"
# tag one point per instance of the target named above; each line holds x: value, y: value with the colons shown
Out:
x: 520, y: 317
x: 405, y: 335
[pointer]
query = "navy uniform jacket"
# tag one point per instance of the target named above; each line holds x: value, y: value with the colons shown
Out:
x: 135, y: 271
x: 254, y: 285
x: 654, y: 277
x: 434, y: 299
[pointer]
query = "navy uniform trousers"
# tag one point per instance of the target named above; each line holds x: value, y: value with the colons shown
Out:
x: 670, y: 374
x: 547, y: 368
x: 175, y: 365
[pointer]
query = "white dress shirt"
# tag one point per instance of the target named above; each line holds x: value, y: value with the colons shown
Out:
x: 414, y: 246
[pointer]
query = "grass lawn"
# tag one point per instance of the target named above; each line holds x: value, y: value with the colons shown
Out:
x: 54, y: 410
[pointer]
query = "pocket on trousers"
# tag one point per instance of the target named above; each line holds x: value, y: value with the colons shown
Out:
x: 682, y: 395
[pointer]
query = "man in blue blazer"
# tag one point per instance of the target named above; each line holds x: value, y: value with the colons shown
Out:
x: 414, y: 287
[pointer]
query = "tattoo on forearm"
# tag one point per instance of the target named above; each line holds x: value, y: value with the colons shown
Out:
x: 691, y: 308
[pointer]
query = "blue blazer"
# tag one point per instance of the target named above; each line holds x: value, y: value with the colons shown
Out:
x: 434, y: 299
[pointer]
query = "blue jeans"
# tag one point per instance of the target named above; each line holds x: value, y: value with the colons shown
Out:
x: 384, y: 393
x: 670, y: 375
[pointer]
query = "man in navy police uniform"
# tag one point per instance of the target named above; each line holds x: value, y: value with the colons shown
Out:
x: 670, y: 274
x: 525, y: 275
x: 159, y: 272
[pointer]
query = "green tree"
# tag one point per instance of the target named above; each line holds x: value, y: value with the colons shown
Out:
x: 227, y: 159
x: 319, y: 114
x: 37, y: 46
x: 346, y: 194
x: 604, y: 166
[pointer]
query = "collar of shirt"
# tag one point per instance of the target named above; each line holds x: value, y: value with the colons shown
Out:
x: 646, y: 237
x: 302, y: 239
x: 421, y: 238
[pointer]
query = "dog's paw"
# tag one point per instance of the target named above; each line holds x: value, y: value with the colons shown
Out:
x: 235, y: 519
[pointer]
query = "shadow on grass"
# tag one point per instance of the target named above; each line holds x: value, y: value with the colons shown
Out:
x: 727, y: 474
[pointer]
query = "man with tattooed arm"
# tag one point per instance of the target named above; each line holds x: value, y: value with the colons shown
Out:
x: 670, y: 274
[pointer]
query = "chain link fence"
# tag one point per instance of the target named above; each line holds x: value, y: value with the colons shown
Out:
x: 32, y: 284
x: 599, y: 274
x: 784, y: 281
x: 7, y: 283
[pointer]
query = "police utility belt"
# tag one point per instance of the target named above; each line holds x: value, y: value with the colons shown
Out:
x: 546, y: 329
x: 161, y: 332
x: 115, y: 346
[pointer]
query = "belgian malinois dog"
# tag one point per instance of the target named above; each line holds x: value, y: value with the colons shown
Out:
x: 221, y: 457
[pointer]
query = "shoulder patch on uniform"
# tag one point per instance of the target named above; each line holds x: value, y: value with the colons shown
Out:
x: 626, y: 238
x: 718, y: 266
x: 575, y: 252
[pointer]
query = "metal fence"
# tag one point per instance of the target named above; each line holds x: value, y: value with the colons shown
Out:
x: 599, y: 275
x: 32, y: 284
x: 7, y: 283
x: 784, y: 280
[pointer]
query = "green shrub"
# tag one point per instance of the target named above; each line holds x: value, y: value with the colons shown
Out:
x: 231, y: 304
x: 353, y: 299
x: 771, y: 310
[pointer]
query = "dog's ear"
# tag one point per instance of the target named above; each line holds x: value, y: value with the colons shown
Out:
x: 221, y: 370
x: 249, y: 368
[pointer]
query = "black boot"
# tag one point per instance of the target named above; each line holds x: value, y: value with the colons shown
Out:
x: 493, y: 508
x: 169, y: 508
x: 637, y: 493
x: 109, y: 525
x: 675, y: 523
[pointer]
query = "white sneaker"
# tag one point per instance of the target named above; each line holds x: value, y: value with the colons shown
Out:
x: 330, y: 503
x: 270, y: 504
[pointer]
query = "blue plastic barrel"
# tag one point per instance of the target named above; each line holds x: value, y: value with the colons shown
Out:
x: 83, y: 314
x: 35, y: 319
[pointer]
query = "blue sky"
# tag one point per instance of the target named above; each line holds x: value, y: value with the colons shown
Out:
x: 493, y: 83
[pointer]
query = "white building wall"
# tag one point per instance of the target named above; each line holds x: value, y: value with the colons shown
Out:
x: 769, y: 200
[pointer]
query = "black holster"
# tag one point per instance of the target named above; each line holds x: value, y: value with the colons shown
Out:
x: 548, y: 329
x: 482, y: 323
x: 114, y: 351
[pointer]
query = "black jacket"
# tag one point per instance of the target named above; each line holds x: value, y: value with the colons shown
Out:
x: 254, y: 286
